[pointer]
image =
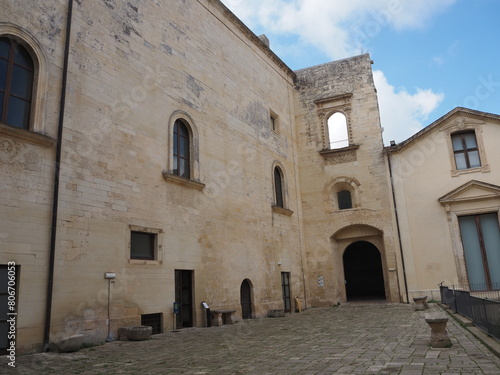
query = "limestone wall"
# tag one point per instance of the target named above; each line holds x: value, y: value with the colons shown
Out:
x: 134, y: 69
x: 27, y: 164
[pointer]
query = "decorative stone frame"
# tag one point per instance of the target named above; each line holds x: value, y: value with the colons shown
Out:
x: 284, y: 186
x: 194, y: 154
x: 463, y: 125
x: 326, y: 108
x: 334, y: 186
x: 343, y: 237
x: 158, y: 255
x: 37, y: 131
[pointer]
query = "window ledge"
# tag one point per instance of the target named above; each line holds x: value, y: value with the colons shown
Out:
x: 458, y: 172
x: 328, y: 151
x: 282, y: 211
x: 27, y: 135
x: 145, y: 261
x: 174, y: 179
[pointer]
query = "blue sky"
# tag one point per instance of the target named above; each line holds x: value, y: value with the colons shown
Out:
x: 430, y: 56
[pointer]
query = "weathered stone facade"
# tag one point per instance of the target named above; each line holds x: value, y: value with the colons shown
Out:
x: 345, y: 86
x: 227, y: 235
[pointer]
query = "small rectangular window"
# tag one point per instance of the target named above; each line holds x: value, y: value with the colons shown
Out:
x: 273, y: 121
x: 344, y: 199
x: 154, y: 321
x: 142, y: 245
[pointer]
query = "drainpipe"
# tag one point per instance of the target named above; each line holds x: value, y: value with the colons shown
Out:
x: 55, y: 198
x: 397, y: 226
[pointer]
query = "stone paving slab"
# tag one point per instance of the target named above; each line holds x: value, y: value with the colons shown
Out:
x: 350, y: 339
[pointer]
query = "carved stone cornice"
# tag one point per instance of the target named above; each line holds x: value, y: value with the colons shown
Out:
x: 341, y: 155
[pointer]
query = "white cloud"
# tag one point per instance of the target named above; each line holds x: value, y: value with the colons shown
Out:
x: 342, y: 29
x: 337, y: 28
x: 437, y: 60
x: 402, y: 114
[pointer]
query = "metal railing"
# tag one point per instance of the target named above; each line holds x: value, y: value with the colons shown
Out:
x: 482, y: 310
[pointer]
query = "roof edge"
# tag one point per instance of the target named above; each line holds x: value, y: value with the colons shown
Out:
x: 252, y: 36
x: 455, y: 112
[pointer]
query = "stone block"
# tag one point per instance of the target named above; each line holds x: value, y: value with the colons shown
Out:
x: 67, y: 344
x: 134, y: 333
x: 276, y: 313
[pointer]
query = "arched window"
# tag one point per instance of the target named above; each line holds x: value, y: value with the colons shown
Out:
x: 16, y: 83
x: 337, y: 131
x: 344, y: 199
x: 278, y: 187
x: 181, y: 150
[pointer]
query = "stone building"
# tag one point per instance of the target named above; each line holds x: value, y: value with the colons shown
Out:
x: 161, y: 152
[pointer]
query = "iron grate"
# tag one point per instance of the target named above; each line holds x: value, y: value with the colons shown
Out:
x: 153, y: 320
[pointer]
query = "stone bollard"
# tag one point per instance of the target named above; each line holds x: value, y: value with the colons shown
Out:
x: 421, y: 303
x: 439, y: 335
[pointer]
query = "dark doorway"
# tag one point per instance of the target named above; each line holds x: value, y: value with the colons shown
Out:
x: 363, y: 272
x: 285, y: 287
x: 184, y: 297
x: 246, y: 299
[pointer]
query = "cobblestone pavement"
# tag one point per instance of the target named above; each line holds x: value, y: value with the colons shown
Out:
x: 350, y: 339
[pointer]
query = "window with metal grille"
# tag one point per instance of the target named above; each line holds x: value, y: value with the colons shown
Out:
x: 465, y: 150
x: 142, y: 245
x: 16, y: 83
x: 154, y: 321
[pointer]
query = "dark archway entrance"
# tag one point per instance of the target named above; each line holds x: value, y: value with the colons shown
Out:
x: 363, y: 272
x: 246, y: 299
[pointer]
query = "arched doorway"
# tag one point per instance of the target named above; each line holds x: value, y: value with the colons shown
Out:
x: 363, y: 272
x: 246, y: 299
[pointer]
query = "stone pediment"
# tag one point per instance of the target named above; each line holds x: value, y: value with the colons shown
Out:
x: 471, y: 191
